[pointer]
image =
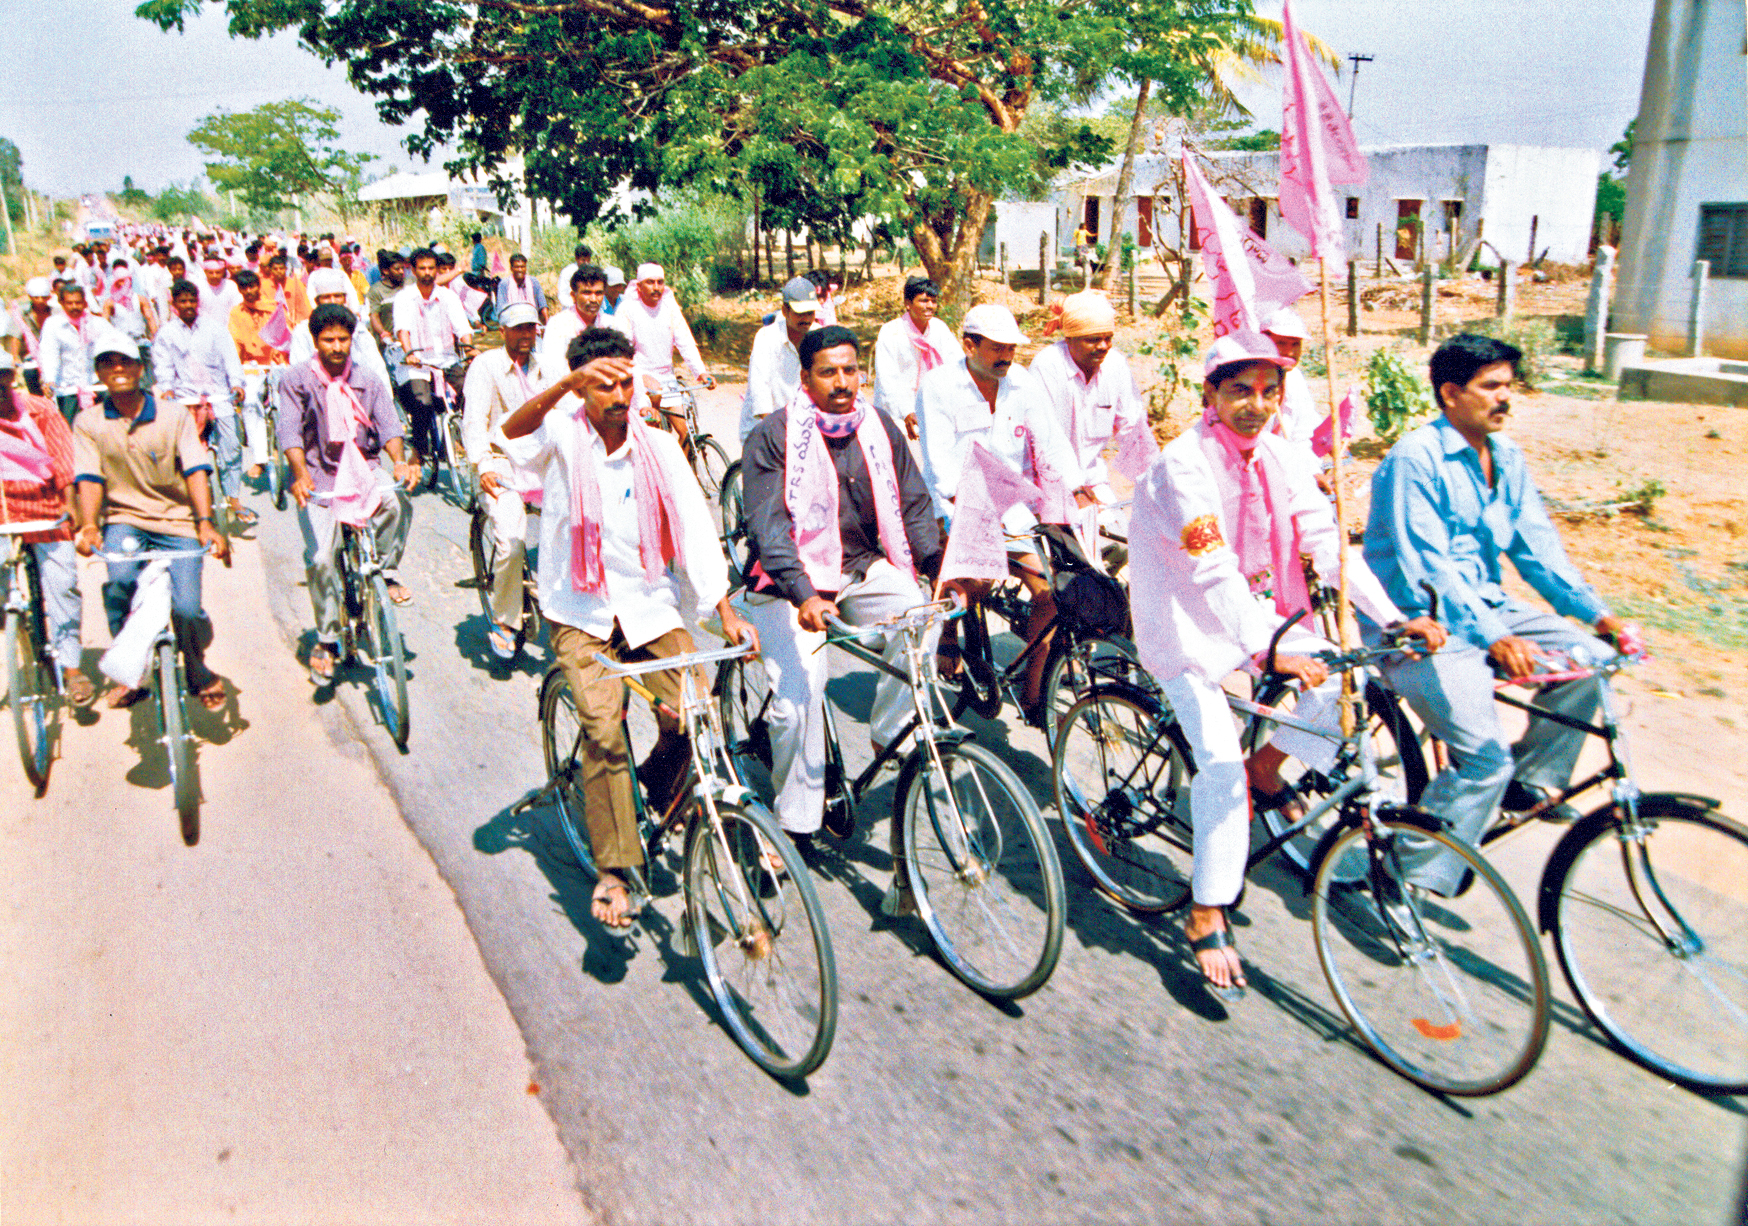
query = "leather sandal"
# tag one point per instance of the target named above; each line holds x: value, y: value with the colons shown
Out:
x: 1220, y: 938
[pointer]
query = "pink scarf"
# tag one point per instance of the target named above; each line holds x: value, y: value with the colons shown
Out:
x: 425, y: 337
x: 810, y: 490
x: 86, y: 399
x: 356, y: 494
x: 121, y: 293
x: 521, y: 293
x: 658, y: 517
x: 24, y: 452
x: 1257, y: 514
x: 927, y: 356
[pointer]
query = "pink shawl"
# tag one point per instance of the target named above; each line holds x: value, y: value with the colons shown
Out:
x: 658, y: 516
x: 24, y: 452
x: 356, y: 494
x: 927, y: 356
x: 1257, y: 514
x: 810, y: 491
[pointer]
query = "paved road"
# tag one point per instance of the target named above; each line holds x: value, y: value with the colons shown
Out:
x: 1120, y: 1092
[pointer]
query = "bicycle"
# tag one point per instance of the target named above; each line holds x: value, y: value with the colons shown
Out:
x: 968, y: 837
x: 33, y: 679
x: 1453, y: 994
x: 369, y: 632
x: 169, y: 685
x: 761, y: 934
x: 451, y: 449
x: 1084, y: 643
x: 480, y: 549
x: 710, y: 464
x: 276, y: 471
x: 732, y: 515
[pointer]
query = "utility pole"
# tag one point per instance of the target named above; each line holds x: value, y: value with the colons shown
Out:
x: 1354, y: 80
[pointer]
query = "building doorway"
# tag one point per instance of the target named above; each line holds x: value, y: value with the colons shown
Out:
x: 1408, y: 229
x: 1258, y: 216
x: 1144, y: 221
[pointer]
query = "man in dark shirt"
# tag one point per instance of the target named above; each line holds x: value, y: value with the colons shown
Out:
x: 868, y: 530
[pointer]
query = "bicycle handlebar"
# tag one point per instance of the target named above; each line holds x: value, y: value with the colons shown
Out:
x: 26, y: 527
x: 622, y: 670
x: 152, y: 555
x: 917, y: 618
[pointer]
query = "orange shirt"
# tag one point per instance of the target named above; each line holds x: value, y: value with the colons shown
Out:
x: 297, y: 299
x: 246, y: 324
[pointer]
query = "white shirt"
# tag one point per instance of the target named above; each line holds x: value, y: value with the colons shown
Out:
x: 443, y: 318
x: 1300, y: 414
x: 152, y: 280
x: 896, y: 368
x: 365, y: 355
x: 657, y: 333
x: 773, y: 375
x: 220, y: 299
x: 1092, y: 412
x: 645, y: 611
x: 1194, y: 608
x: 952, y: 414
x: 496, y: 388
x: 66, y: 353
x: 562, y: 329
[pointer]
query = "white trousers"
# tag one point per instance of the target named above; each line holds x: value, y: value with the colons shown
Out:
x: 254, y: 424
x: 1220, y: 791
x: 796, y: 667
x: 507, y: 534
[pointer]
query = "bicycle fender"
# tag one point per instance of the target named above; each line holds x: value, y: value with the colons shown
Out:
x: 1584, y: 831
x: 1407, y: 815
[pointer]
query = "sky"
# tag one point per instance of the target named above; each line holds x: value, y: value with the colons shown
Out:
x: 120, y: 98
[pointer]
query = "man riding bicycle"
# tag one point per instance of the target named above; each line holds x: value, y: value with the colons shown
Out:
x: 840, y: 523
x: 623, y: 523
x: 1450, y: 500
x: 334, y: 421
x: 434, y: 334
x: 651, y: 318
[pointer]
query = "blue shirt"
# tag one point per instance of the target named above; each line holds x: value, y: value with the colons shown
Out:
x: 187, y: 362
x: 1435, y: 519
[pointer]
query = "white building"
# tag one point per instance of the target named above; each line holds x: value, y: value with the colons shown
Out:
x: 1437, y: 194
x: 1687, y: 188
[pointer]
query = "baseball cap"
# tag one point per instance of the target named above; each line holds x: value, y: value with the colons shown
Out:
x: 615, y: 275
x: 113, y: 341
x: 518, y: 314
x: 1285, y: 322
x: 993, y: 323
x: 800, y: 296
x: 1242, y: 347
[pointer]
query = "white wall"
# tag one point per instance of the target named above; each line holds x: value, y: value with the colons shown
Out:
x: 1019, y: 224
x: 1691, y: 148
x: 1553, y: 188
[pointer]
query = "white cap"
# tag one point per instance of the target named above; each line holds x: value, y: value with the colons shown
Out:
x: 38, y: 287
x: 518, y: 314
x: 1242, y: 347
x: 324, y: 281
x: 114, y: 341
x: 615, y: 275
x: 993, y: 323
x: 1285, y: 322
x: 647, y: 271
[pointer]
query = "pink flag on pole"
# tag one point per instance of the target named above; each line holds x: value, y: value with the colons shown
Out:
x: 499, y: 268
x: 1251, y: 279
x: 987, y: 487
x: 276, y: 331
x: 1323, y: 438
x: 1317, y: 149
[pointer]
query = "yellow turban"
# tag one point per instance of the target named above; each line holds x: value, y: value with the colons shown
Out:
x: 1088, y: 313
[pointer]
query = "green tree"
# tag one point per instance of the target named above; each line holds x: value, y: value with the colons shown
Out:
x: 909, y: 113
x: 12, y: 178
x: 278, y: 152
x: 132, y: 196
x: 1611, y: 185
x: 177, y: 204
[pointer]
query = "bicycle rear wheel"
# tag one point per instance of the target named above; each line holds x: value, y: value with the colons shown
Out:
x: 1078, y: 663
x: 1122, y: 788
x: 30, y: 692
x: 387, y: 661
x: 1402, y: 774
x: 743, y: 697
x: 178, y: 743
x: 983, y: 869
x: 1650, y: 923
x: 731, y: 515
x: 560, y: 737
x: 1452, y: 993
x: 710, y: 463
x: 763, y: 939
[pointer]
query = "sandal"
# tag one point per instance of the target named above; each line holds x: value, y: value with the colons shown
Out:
x: 212, y: 697
x: 1220, y: 938
x: 1267, y: 802
x: 243, y: 517
x: 400, y: 593
x: 617, y: 913
x: 122, y: 697
x: 80, y: 691
x: 500, y: 638
x: 322, y: 661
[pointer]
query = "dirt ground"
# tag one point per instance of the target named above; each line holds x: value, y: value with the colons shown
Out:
x: 1678, y: 565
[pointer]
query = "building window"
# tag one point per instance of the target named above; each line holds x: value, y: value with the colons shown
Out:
x: 1257, y: 214
x: 1453, y: 213
x: 1353, y: 208
x: 1723, y: 239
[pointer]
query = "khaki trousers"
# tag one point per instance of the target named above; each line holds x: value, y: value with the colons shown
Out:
x: 609, y: 810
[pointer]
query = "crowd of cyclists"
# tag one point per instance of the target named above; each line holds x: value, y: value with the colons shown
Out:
x: 147, y: 378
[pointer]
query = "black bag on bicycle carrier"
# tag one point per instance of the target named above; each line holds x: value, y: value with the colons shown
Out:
x: 1085, y: 595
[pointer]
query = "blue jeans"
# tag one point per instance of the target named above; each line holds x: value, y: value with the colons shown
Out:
x: 190, y: 622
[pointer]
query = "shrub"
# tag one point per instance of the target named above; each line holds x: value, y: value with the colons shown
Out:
x: 1396, y: 396
x: 1536, y: 337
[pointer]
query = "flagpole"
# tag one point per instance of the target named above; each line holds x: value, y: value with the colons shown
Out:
x: 1335, y: 476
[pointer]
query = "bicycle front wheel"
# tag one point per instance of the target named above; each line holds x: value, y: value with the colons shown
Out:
x: 560, y: 740
x: 1651, y: 927
x: 743, y: 697
x: 983, y: 870
x: 277, y: 485
x: 178, y: 743
x: 762, y: 938
x: 710, y: 463
x: 1452, y: 993
x: 461, y: 474
x: 30, y: 692
x: 731, y: 516
x: 387, y: 661
x: 1122, y: 788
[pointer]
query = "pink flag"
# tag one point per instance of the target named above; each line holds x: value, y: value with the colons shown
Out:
x: 1317, y: 149
x: 987, y: 487
x: 1323, y: 438
x: 1135, y: 453
x: 1251, y: 280
x: 498, y: 266
x: 276, y: 331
